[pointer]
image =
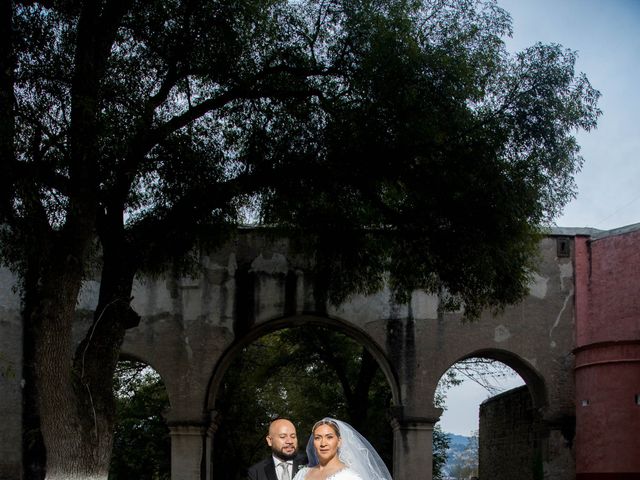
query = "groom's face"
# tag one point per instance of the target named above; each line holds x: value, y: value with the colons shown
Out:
x: 282, y: 439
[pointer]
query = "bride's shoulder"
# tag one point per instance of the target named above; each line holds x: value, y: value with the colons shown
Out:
x: 302, y: 472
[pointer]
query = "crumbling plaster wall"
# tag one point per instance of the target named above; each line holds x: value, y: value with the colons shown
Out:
x: 192, y: 327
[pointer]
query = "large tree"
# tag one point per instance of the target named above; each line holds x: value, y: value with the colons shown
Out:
x: 397, y: 137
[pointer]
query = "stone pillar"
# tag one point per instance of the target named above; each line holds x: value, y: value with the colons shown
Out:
x: 208, y: 451
x: 187, y: 442
x: 559, y: 461
x: 413, y: 445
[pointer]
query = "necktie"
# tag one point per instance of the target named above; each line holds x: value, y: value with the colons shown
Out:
x: 285, y: 471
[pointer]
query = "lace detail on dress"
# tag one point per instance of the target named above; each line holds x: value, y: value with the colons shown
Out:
x: 345, y: 473
x: 334, y: 475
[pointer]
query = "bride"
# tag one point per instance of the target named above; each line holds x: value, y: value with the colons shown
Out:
x: 336, y: 451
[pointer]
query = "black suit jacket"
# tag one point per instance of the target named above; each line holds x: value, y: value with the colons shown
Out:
x: 266, y: 470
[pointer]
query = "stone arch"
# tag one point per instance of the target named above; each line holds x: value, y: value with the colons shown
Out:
x: 533, y: 379
x: 513, y: 433
x: 138, y: 357
x: 126, y: 354
x: 149, y: 421
x: 264, y: 328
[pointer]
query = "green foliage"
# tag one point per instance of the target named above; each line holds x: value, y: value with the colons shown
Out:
x: 441, y: 440
x: 449, y: 153
x: 288, y: 373
x: 440, y: 446
x: 402, y: 128
x: 142, y: 447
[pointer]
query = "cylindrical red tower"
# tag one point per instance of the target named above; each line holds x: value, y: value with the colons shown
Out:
x: 607, y: 370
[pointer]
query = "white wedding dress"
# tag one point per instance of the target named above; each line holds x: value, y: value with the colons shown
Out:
x: 344, y: 474
x: 361, y: 459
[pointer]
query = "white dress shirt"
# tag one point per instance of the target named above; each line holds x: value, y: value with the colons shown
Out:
x: 289, y: 464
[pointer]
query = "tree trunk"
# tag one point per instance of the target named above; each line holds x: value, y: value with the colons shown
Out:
x: 71, y: 405
x: 97, y: 355
x: 73, y: 435
x: 77, y: 405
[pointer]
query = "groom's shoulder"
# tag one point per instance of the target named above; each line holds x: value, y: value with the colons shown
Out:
x: 254, y: 470
x: 262, y: 463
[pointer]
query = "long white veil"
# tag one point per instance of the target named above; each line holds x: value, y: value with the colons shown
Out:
x: 355, y: 452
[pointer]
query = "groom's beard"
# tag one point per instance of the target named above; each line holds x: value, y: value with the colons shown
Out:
x: 285, y: 456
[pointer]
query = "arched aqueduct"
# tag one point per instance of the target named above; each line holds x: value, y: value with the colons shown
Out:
x: 192, y: 327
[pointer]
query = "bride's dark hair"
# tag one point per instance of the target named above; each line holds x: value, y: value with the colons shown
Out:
x: 328, y: 422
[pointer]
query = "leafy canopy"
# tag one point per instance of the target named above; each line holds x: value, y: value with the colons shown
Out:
x: 397, y: 138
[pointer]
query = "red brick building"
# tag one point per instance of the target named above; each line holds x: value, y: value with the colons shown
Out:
x: 607, y: 355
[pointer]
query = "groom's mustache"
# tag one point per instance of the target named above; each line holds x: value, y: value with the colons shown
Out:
x: 286, y: 456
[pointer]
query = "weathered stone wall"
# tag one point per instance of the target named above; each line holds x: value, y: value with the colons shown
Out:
x: 10, y: 380
x: 510, y: 437
x: 192, y: 328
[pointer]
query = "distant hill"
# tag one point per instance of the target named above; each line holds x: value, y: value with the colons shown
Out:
x: 457, y: 440
x: 457, y: 444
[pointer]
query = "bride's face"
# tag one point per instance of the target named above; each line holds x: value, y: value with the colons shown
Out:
x: 326, y: 442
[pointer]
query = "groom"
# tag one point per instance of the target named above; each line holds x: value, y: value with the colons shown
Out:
x: 284, y: 462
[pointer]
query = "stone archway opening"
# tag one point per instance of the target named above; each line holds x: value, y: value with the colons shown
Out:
x: 302, y: 372
x: 142, y: 445
x: 492, y: 420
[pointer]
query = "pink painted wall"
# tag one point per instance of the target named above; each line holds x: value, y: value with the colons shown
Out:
x: 607, y: 375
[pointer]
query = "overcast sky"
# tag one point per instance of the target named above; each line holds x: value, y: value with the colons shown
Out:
x: 606, y: 35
